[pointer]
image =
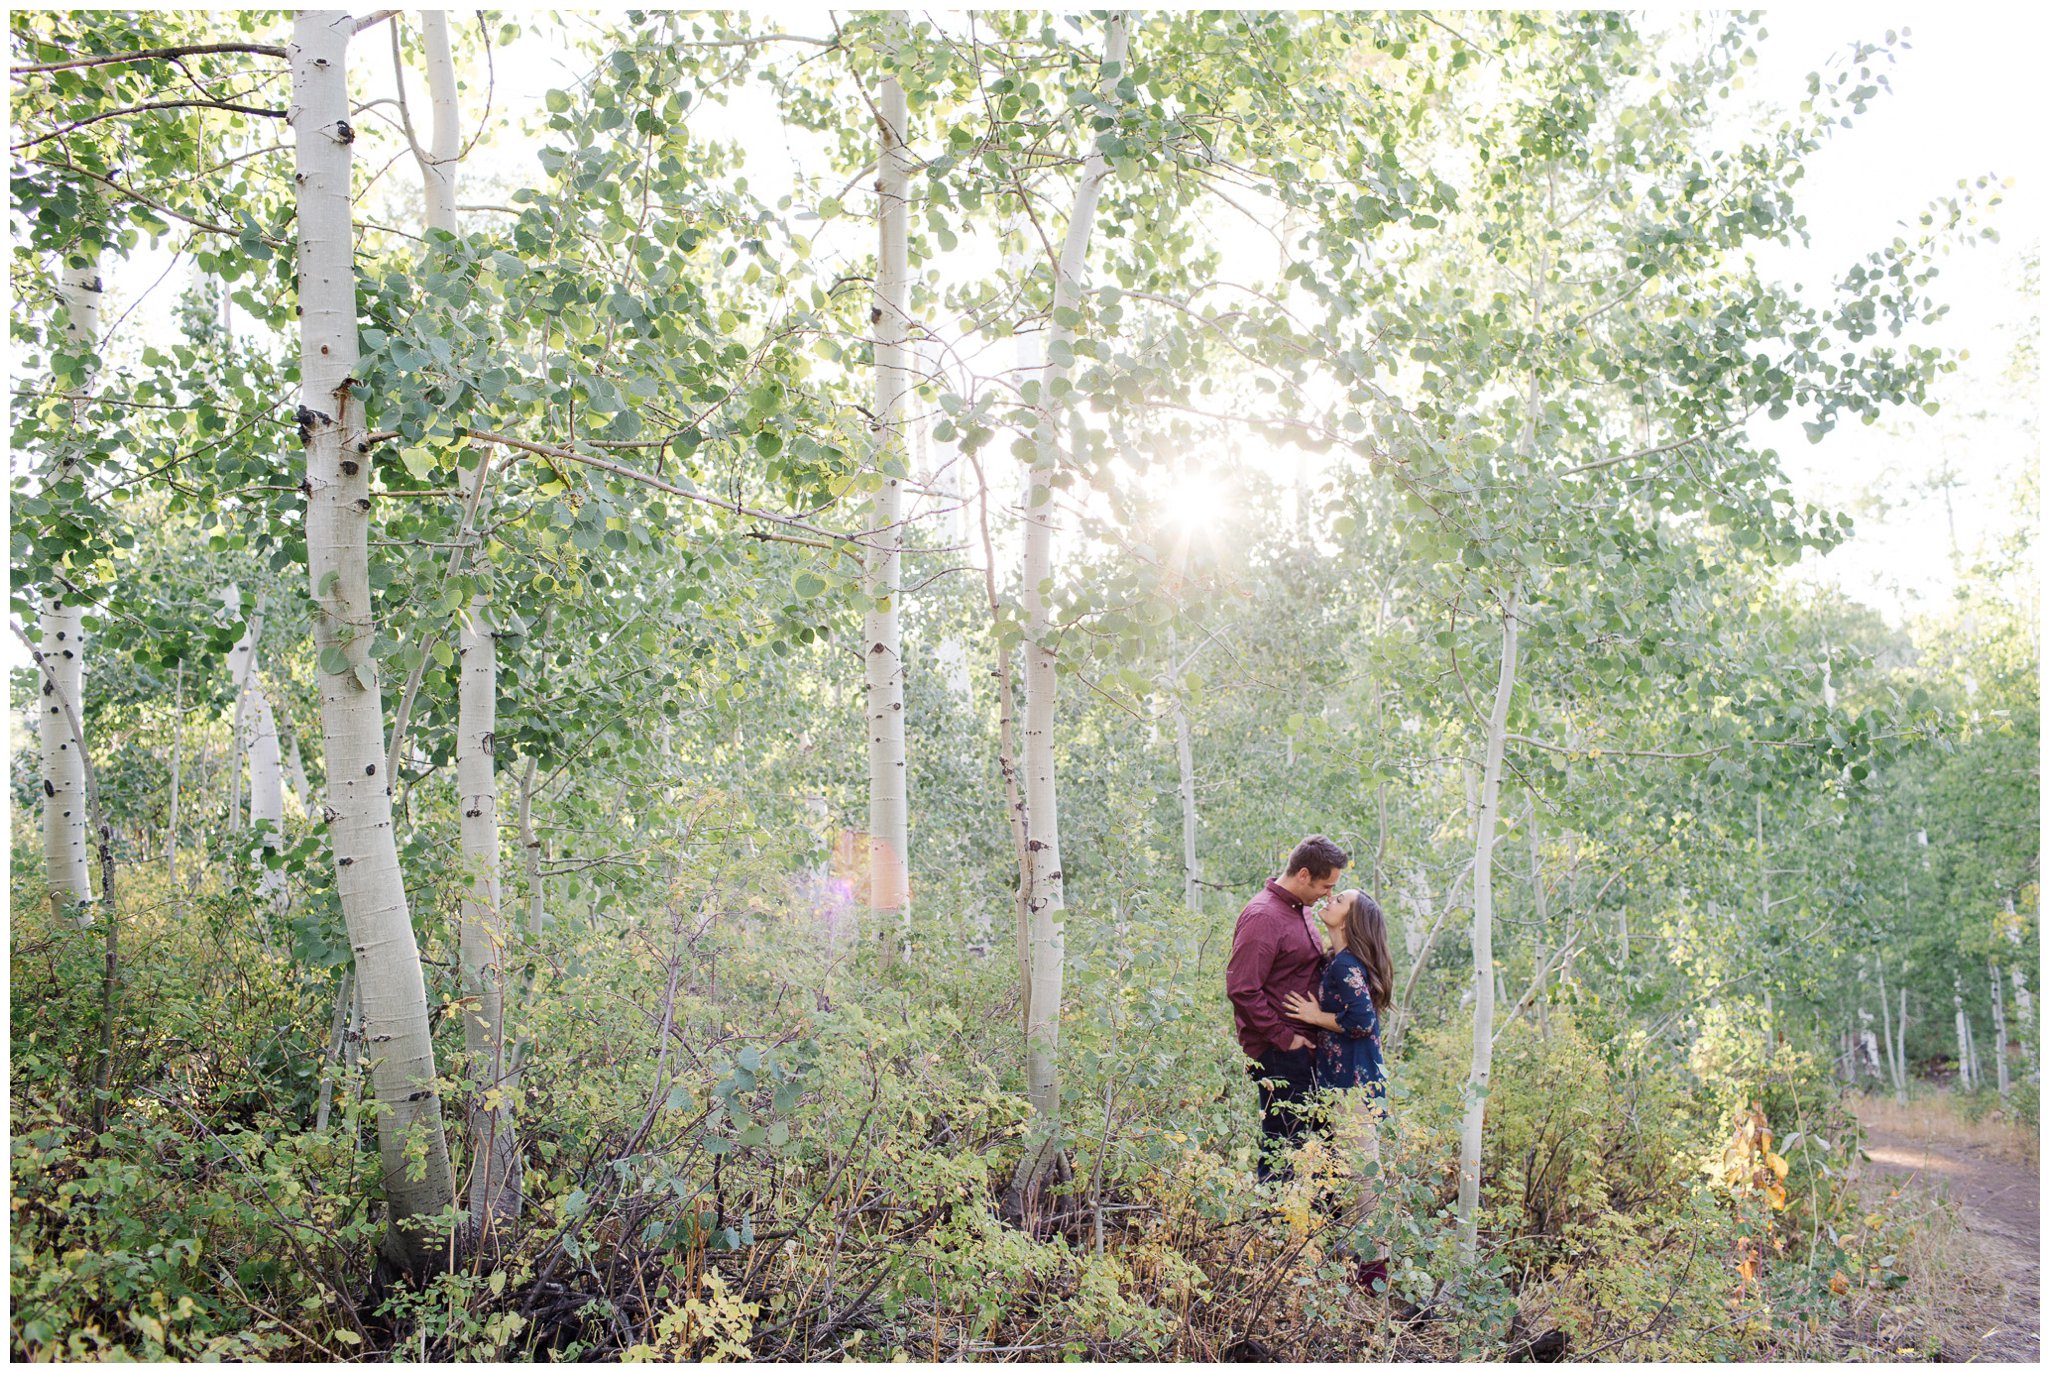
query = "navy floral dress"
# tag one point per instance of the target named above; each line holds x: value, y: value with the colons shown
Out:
x: 1351, y: 1057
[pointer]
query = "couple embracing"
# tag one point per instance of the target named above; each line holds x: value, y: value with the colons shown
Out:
x: 1310, y: 1020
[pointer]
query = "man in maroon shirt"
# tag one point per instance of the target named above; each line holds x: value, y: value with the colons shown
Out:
x: 1277, y: 948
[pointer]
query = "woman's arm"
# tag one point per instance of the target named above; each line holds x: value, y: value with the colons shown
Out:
x: 1300, y: 1007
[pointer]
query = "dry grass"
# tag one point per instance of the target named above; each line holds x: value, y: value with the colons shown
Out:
x: 1957, y: 1302
x: 1932, y: 1116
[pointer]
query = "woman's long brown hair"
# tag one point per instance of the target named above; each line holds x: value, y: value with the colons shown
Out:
x: 1366, y: 938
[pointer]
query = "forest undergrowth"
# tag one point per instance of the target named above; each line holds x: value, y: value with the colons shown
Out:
x: 743, y: 1159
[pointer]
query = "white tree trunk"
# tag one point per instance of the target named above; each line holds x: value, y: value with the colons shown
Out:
x: 1957, y: 1018
x: 66, y: 865
x: 445, y: 144
x: 1900, y: 1051
x: 338, y: 1038
x: 65, y: 861
x: 1028, y: 361
x: 1185, y: 773
x: 531, y: 847
x: 266, y: 790
x: 1007, y: 754
x: 889, y: 899
x: 1972, y: 1051
x: 2025, y: 1020
x: 302, y: 790
x: 256, y: 739
x: 239, y: 659
x: 2000, y: 1077
x: 177, y: 769
x: 494, y: 1197
x: 1540, y: 909
x: 359, y: 811
x: 1484, y: 940
x: 1042, y: 813
x: 1893, y: 1072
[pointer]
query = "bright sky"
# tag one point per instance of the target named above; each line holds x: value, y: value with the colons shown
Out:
x: 1963, y: 102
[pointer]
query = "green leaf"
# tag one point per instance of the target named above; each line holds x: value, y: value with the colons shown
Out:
x: 334, y: 660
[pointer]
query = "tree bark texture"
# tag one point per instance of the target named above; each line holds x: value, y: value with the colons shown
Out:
x: 1541, y: 912
x: 889, y: 898
x: 1007, y: 754
x: 1893, y: 1071
x: 177, y: 770
x: 1485, y: 817
x: 445, y: 144
x: 494, y: 1198
x: 1042, y: 814
x: 2000, y: 1078
x: 338, y: 1038
x: 359, y: 808
x: 1900, y: 1051
x: 256, y: 740
x: 66, y: 864
x: 65, y: 861
x: 266, y: 790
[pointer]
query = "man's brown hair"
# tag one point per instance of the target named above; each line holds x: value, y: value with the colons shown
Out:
x: 1319, y: 855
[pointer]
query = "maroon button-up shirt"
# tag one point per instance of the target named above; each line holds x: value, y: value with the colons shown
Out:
x: 1275, y: 950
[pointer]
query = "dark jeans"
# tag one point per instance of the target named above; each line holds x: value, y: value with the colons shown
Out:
x: 1286, y: 1078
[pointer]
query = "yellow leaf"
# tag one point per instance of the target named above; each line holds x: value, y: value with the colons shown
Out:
x: 1839, y: 1284
x: 1777, y: 1195
x: 1777, y: 1164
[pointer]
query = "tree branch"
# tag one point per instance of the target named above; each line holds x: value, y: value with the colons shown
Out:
x: 108, y: 59
x: 1599, y: 464
x: 78, y: 124
x: 548, y: 450
x: 132, y: 194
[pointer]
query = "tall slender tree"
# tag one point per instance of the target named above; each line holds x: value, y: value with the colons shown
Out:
x: 888, y: 896
x: 1048, y: 903
x: 411, y: 1145
x: 65, y: 862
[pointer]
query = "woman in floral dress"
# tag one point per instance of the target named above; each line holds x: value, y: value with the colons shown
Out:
x: 1358, y: 982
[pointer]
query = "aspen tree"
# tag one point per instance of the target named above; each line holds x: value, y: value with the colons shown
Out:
x: 62, y: 650
x: 177, y: 769
x: 888, y: 897
x: 1028, y: 360
x: 1485, y: 819
x: 494, y: 1195
x: 1965, y: 1076
x: 1042, y: 816
x: 1999, y: 1031
x: 412, y: 1149
x: 256, y: 740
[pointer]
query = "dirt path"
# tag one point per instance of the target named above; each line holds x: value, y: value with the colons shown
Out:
x: 1999, y: 1201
